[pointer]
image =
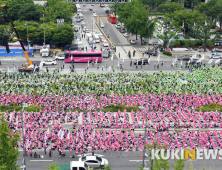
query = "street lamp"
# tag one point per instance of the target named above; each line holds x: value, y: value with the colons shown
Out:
x: 144, y: 137
x: 27, y: 33
x: 23, y: 163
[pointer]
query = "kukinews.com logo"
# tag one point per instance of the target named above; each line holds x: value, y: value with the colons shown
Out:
x: 199, y: 154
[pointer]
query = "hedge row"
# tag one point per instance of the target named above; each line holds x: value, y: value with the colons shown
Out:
x: 12, y: 107
x: 115, y: 108
x: 167, y: 53
x: 210, y: 107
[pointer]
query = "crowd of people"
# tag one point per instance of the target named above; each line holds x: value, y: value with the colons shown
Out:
x: 164, y: 101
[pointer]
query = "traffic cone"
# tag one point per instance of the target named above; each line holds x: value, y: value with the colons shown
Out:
x: 141, y: 156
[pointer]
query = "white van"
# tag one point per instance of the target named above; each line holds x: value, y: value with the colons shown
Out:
x: 78, y: 165
x: 97, y: 39
x: 88, y: 36
x: 81, y: 16
x: 79, y: 11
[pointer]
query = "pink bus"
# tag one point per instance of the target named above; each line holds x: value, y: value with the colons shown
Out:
x: 83, y: 57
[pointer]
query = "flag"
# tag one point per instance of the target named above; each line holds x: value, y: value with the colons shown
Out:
x: 158, y: 58
x: 118, y: 63
x: 194, y: 24
x: 137, y: 61
x: 217, y: 61
x: 181, y: 62
x: 183, y: 25
x: 210, y: 61
x: 205, y: 22
x: 112, y: 57
x: 123, y: 59
x: 149, y: 60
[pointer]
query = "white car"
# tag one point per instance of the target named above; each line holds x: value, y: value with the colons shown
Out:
x: 215, y: 56
x: 102, y: 25
x: 94, y: 14
x: 60, y: 57
x: 132, y: 41
x: 117, y: 25
x: 105, y: 44
x: 49, y: 62
x: 92, y: 4
x: 94, y: 161
x: 125, y: 34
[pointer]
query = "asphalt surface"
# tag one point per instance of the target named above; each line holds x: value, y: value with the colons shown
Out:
x: 117, y: 160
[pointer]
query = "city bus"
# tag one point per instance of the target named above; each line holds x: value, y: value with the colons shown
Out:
x: 83, y: 57
x: 112, y: 18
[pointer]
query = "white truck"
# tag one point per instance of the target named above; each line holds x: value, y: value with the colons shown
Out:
x: 78, y: 165
x: 88, y: 36
x: 45, y: 51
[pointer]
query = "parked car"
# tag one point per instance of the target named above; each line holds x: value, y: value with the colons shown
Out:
x: 117, y: 26
x: 125, y: 34
x: 94, y: 161
x: 49, y: 62
x: 151, y: 52
x: 184, y: 58
x: 215, y: 56
x: 145, y: 61
x: 102, y: 25
x: 90, y: 9
x: 132, y: 41
x: 105, y: 44
x: 122, y: 30
x: 94, y: 14
x: 102, y: 39
x: 60, y: 57
x: 78, y: 20
x: 218, y: 49
x: 106, y: 54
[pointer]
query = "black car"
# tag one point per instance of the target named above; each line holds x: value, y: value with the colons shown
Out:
x: 151, y: 52
x: 106, y: 54
x: 145, y: 61
x: 185, y: 58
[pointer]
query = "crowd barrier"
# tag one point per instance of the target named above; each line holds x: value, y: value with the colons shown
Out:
x: 14, y: 53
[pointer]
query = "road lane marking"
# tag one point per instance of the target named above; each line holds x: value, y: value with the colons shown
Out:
x: 41, y: 160
x: 137, y: 160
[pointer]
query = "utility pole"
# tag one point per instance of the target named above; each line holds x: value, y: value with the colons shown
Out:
x: 23, y: 136
x: 44, y: 28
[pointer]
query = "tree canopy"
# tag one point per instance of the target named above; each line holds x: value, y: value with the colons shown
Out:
x: 8, y: 146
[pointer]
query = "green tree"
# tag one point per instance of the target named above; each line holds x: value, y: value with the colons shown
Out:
x: 170, y: 7
x: 203, y: 32
x: 167, y: 34
x: 63, y: 35
x: 8, y: 146
x: 114, y: 7
x: 191, y: 3
x: 159, y: 163
x: 179, y: 164
x: 186, y: 17
x: 29, y: 12
x: 57, y: 9
x: 153, y: 4
x: 53, y: 166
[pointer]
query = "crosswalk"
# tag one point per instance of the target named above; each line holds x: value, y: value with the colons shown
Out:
x: 140, y: 49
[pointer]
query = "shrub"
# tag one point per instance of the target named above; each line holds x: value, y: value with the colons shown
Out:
x: 187, y: 44
x: 182, y: 42
x: 115, y: 108
x: 167, y: 53
x: 210, y: 107
x: 192, y: 43
x: 210, y: 44
x: 177, y: 43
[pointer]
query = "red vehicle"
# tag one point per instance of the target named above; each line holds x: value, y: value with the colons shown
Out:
x: 112, y: 18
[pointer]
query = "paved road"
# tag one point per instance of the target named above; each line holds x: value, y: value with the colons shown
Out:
x: 117, y: 161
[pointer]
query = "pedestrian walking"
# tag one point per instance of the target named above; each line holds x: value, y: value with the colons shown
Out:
x: 87, y: 66
x: 86, y: 48
x: 143, y: 54
x: 82, y: 35
x: 158, y: 66
x: 85, y: 71
x: 147, y: 66
x: 97, y: 66
x: 136, y: 65
x: 102, y: 67
x: 119, y: 55
x: 30, y: 153
x: 162, y: 62
x: 61, y: 68
x: 131, y: 63
x: 154, y: 66
x: 134, y: 53
x: 50, y: 153
x: 106, y: 66
x: 93, y: 63
x: 141, y: 65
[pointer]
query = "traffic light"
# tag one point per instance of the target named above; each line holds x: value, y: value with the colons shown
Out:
x: 6, y: 43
